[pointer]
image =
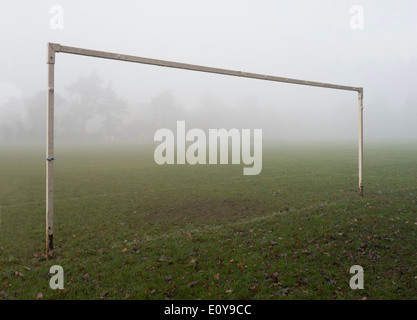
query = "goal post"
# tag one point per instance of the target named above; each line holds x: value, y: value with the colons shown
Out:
x: 53, y: 48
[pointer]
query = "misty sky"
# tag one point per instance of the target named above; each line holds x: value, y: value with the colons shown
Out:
x: 303, y: 39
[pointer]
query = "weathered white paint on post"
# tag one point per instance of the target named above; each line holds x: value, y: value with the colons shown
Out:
x: 50, y: 153
x: 360, y: 98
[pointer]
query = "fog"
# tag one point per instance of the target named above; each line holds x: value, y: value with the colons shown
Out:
x: 103, y: 100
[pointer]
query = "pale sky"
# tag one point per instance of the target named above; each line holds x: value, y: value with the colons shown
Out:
x: 310, y: 40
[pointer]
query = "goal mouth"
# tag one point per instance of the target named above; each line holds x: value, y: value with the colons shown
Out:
x: 53, y: 48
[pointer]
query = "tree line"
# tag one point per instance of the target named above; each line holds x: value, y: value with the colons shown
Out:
x: 89, y: 110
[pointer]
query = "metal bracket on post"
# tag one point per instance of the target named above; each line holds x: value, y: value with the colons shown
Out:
x: 360, y: 100
x: 52, y: 49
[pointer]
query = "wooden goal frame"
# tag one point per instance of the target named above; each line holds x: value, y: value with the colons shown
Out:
x: 53, y: 48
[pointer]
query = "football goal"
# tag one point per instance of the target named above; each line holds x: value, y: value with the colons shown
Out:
x: 53, y: 48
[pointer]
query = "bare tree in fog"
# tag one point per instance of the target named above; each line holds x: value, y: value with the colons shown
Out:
x: 110, y: 109
x: 84, y: 94
x: 12, y: 120
x: 90, y: 102
x: 36, y: 115
x: 165, y: 110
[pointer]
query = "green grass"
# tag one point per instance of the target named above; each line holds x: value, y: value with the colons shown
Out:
x: 126, y: 228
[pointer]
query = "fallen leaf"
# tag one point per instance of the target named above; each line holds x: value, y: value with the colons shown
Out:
x: 3, y: 295
x: 105, y: 294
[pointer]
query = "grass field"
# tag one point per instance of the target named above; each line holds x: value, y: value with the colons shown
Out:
x: 126, y: 228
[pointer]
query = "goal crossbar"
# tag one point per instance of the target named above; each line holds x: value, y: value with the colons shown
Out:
x: 193, y: 67
x: 53, y: 48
